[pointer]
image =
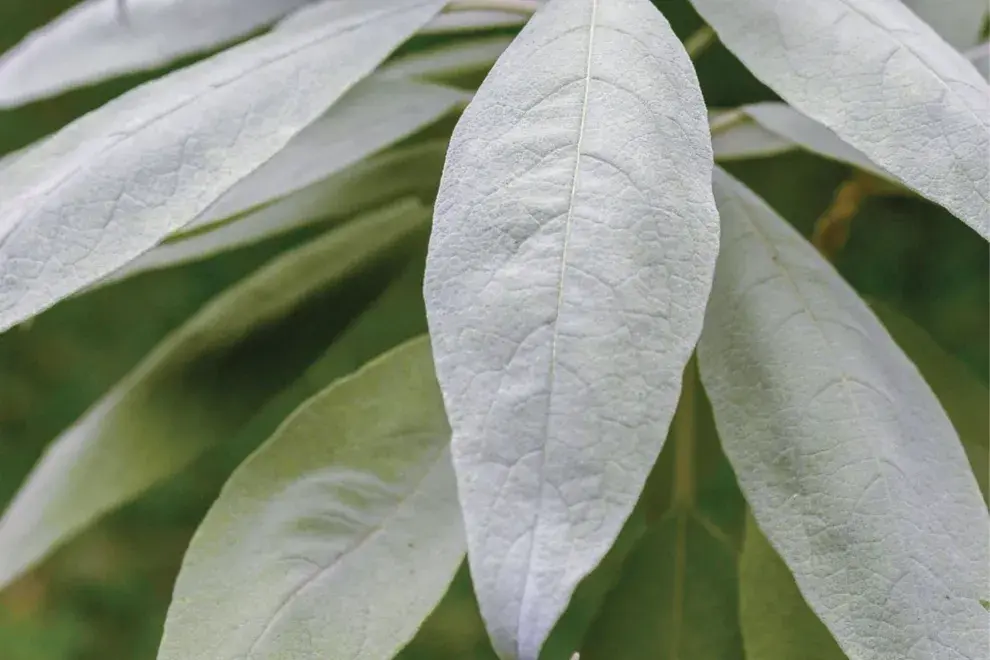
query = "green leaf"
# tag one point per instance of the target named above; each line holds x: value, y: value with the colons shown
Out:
x: 964, y: 397
x: 183, y: 398
x: 570, y: 261
x: 959, y: 21
x: 850, y: 465
x: 766, y: 129
x: 413, y: 170
x: 93, y: 41
x: 776, y: 622
x: 882, y: 80
x: 678, y: 591
x: 111, y: 185
x: 337, y: 537
x: 448, y: 60
x: 375, y: 114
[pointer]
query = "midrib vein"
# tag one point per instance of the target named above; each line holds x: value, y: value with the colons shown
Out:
x: 568, y: 224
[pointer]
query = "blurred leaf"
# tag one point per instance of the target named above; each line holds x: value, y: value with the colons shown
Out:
x: 151, y: 161
x: 472, y: 21
x: 965, y: 399
x: 677, y: 594
x: 375, y: 114
x: 766, y: 129
x: 183, y: 397
x: 338, y: 536
x: 958, y: 21
x: 840, y: 447
x: 980, y: 57
x: 411, y: 170
x: 448, y: 60
x: 776, y: 622
x: 882, y: 80
x: 98, y: 39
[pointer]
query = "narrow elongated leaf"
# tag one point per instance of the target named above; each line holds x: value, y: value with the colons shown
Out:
x: 776, y: 622
x: 96, y: 40
x: 882, y: 79
x: 677, y: 597
x: 448, y: 60
x: 959, y: 21
x: 178, y: 402
x: 337, y: 537
x: 569, y: 265
x: 111, y: 185
x: 850, y: 465
x: 413, y: 170
x: 375, y: 114
x: 452, y: 22
x: 766, y: 129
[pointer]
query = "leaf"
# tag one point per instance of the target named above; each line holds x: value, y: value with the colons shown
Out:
x: 448, y: 60
x: 778, y: 125
x: 851, y: 467
x: 337, y: 537
x: 111, y: 185
x: 569, y: 265
x: 882, y: 80
x: 678, y: 591
x: 959, y: 22
x: 376, y: 114
x: 94, y: 41
x: 413, y: 170
x: 776, y: 622
x: 453, y: 22
x: 965, y: 399
x: 182, y: 398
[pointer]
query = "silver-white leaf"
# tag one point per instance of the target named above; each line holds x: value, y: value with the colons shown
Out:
x: 572, y: 253
x: 852, y: 468
x: 337, y: 538
x: 111, y: 185
x: 376, y: 114
x: 96, y: 40
x: 448, y: 59
x: 882, y: 80
x: 413, y: 170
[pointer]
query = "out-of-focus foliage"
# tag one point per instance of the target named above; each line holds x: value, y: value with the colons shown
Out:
x: 105, y: 594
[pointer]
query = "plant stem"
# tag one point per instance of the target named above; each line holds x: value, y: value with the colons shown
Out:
x: 698, y: 43
x: 832, y: 228
x: 525, y: 7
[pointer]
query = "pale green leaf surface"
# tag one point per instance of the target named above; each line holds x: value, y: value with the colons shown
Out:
x: 573, y: 245
x: 337, y: 537
x: 112, y: 184
x: 958, y: 21
x: 375, y: 114
x: 776, y: 622
x: 413, y: 170
x: 448, y: 59
x: 849, y: 463
x: 164, y: 413
x: 882, y: 80
x: 91, y: 41
x: 964, y: 397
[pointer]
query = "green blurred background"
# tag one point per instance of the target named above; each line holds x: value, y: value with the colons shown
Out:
x: 104, y: 595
